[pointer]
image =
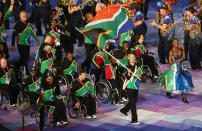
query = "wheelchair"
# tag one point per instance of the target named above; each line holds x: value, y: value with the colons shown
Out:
x: 25, y: 97
x: 104, y: 92
x: 44, y: 109
x: 64, y: 84
x: 76, y: 112
x: 146, y: 69
x: 4, y: 100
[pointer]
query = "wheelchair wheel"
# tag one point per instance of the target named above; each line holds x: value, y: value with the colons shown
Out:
x: 102, y: 91
x: 114, y: 96
x: 92, y: 76
x: 74, y: 112
x: 22, y: 98
x: 37, y: 112
x: 146, y: 73
x: 4, y: 100
x: 63, y: 84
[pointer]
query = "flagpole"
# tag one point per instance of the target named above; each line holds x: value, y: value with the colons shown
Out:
x: 115, y: 59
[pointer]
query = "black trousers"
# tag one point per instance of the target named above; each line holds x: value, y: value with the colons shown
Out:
x: 66, y: 43
x: 131, y: 105
x: 24, y: 56
x: 60, y: 111
x: 194, y: 53
x: 44, y: 13
x: 74, y: 22
x: 33, y: 97
x: 90, y: 104
x: 118, y: 84
x: 164, y: 47
x: 12, y: 91
x: 186, y: 42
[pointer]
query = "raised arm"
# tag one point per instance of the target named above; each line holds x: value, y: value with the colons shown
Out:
x: 8, y: 13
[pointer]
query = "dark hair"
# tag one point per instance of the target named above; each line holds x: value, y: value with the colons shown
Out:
x: 69, y: 52
x: 164, y: 6
x: 192, y: 1
x: 82, y: 71
x: 104, y: 2
x: 125, y: 42
x: 137, y: 36
x: 191, y: 9
x: 176, y: 39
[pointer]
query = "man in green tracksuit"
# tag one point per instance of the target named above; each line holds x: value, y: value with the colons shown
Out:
x: 23, y: 30
x: 132, y: 84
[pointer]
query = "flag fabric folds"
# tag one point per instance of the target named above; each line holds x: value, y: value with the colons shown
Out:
x: 108, y: 24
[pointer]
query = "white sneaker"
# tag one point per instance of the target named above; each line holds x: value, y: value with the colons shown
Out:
x: 13, y: 105
x: 136, y: 123
x: 58, y: 124
x: 88, y: 117
x: 124, y: 99
x: 94, y: 116
x: 64, y: 122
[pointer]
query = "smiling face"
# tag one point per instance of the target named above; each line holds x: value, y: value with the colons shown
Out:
x: 131, y: 58
x: 82, y: 76
x: 141, y: 39
x: 89, y: 17
x: 125, y: 47
x: 48, y: 39
x: 53, y: 23
x: 3, y: 63
x: 163, y: 11
x: 175, y: 43
x: 49, y: 80
x: 69, y: 56
x: 23, y: 16
x: 48, y: 49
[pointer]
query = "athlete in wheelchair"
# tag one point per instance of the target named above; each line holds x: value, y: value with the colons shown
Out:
x: 50, y: 92
x: 110, y: 87
x: 31, y: 90
x: 69, y: 67
x: 82, y: 95
x: 98, y: 57
x: 149, y: 66
x: 47, y: 56
x: 9, y: 90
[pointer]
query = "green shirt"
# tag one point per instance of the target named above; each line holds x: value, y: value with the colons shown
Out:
x: 134, y: 83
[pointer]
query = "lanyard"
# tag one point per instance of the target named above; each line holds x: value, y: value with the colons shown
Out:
x: 23, y: 22
x: 33, y: 80
x: 54, y: 29
x: 5, y: 71
x: 47, y: 55
x: 80, y: 82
